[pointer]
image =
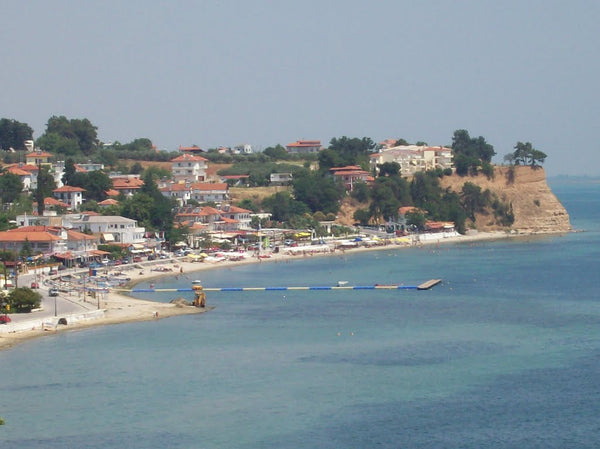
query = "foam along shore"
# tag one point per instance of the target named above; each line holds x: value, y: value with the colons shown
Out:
x: 116, y: 307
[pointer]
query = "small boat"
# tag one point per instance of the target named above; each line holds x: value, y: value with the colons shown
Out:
x: 342, y: 283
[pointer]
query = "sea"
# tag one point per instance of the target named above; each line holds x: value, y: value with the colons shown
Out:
x: 504, y: 353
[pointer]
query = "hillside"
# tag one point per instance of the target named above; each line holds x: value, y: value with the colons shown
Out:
x: 535, y: 207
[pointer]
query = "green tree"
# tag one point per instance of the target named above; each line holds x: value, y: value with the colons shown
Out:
x: 384, y: 203
x: 69, y: 172
x: 319, y: 193
x: 470, y: 152
x: 10, y: 187
x: 13, y: 134
x: 247, y: 203
x: 26, y: 249
x: 278, y: 152
x: 416, y: 219
x: 45, y: 186
x: 472, y: 199
x: 283, y: 207
x: 136, y: 168
x: 525, y: 154
x: 69, y: 137
x: 389, y: 168
x: 23, y: 299
x: 363, y: 216
x: 361, y: 192
x: 347, y: 151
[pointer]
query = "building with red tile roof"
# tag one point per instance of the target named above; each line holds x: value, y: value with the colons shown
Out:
x: 304, y: 146
x: 128, y: 185
x: 38, y: 157
x: 350, y: 175
x: 189, y: 168
x: 71, y: 195
x: 194, y: 149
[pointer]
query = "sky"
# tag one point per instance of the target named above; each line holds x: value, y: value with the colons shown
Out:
x: 262, y: 72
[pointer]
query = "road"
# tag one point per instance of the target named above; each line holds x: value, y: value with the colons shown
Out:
x: 63, y: 304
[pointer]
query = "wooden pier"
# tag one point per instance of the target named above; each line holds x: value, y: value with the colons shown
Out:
x: 429, y: 284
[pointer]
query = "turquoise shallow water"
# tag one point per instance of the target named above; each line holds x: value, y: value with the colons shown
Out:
x: 504, y: 354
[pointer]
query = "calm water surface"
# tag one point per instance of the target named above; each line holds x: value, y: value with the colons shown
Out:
x: 504, y: 354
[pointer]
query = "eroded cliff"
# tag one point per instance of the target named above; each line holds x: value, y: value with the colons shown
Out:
x: 536, y: 209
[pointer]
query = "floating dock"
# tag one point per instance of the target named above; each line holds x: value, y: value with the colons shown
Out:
x: 429, y: 284
x: 424, y: 286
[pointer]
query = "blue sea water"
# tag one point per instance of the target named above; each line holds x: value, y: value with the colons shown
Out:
x: 504, y: 354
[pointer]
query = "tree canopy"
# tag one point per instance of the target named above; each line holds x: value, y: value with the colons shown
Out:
x: 69, y: 137
x: 10, y: 187
x: 346, y: 151
x: 526, y: 154
x: 470, y: 152
x: 13, y: 134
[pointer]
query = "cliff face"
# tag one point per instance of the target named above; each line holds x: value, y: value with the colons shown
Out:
x: 536, y: 209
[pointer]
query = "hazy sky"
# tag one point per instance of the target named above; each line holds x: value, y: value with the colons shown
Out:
x: 265, y: 72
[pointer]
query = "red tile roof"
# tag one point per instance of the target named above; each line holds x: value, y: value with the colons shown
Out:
x: 304, y: 143
x: 127, y: 183
x: 54, y: 202
x: 69, y: 189
x: 38, y: 154
x: 32, y: 236
x: 192, y: 148
x: 210, y: 186
x: 108, y: 202
x: 189, y: 158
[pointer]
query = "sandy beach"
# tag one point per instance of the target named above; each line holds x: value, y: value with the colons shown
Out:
x: 116, y: 307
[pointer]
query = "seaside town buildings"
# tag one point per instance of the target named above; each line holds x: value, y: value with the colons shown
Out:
x: 413, y: 158
x: 64, y: 232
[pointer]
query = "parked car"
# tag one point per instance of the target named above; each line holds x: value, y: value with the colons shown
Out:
x: 53, y: 271
x: 137, y: 259
x: 152, y: 257
x: 35, y: 285
x: 53, y: 292
x: 4, y: 319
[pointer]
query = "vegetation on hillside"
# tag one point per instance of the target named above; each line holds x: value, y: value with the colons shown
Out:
x: 313, y: 194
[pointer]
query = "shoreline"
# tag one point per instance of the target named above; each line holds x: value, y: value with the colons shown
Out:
x: 119, y: 308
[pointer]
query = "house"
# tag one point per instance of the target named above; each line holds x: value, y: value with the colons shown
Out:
x: 23, y: 175
x: 52, y: 204
x: 350, y: 175
x: 189, y: 167
x: 41, y: 241
x: 38, y: 157
x: 27, y: 173
x: 181, y: 192
x: 109, y: 228
x: 235, y: 180
x: 72, y: 196
x: 107, y: 203
x: 194, y: 149
x: 304, y: 147
x: 55, y: 241
x: 210, y: 219
x: 413, y: 158
x: 281, y: 179
x: 244, y: 148
x: 128, y: 185
x: 204, y: 192
x: 240, y: 216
